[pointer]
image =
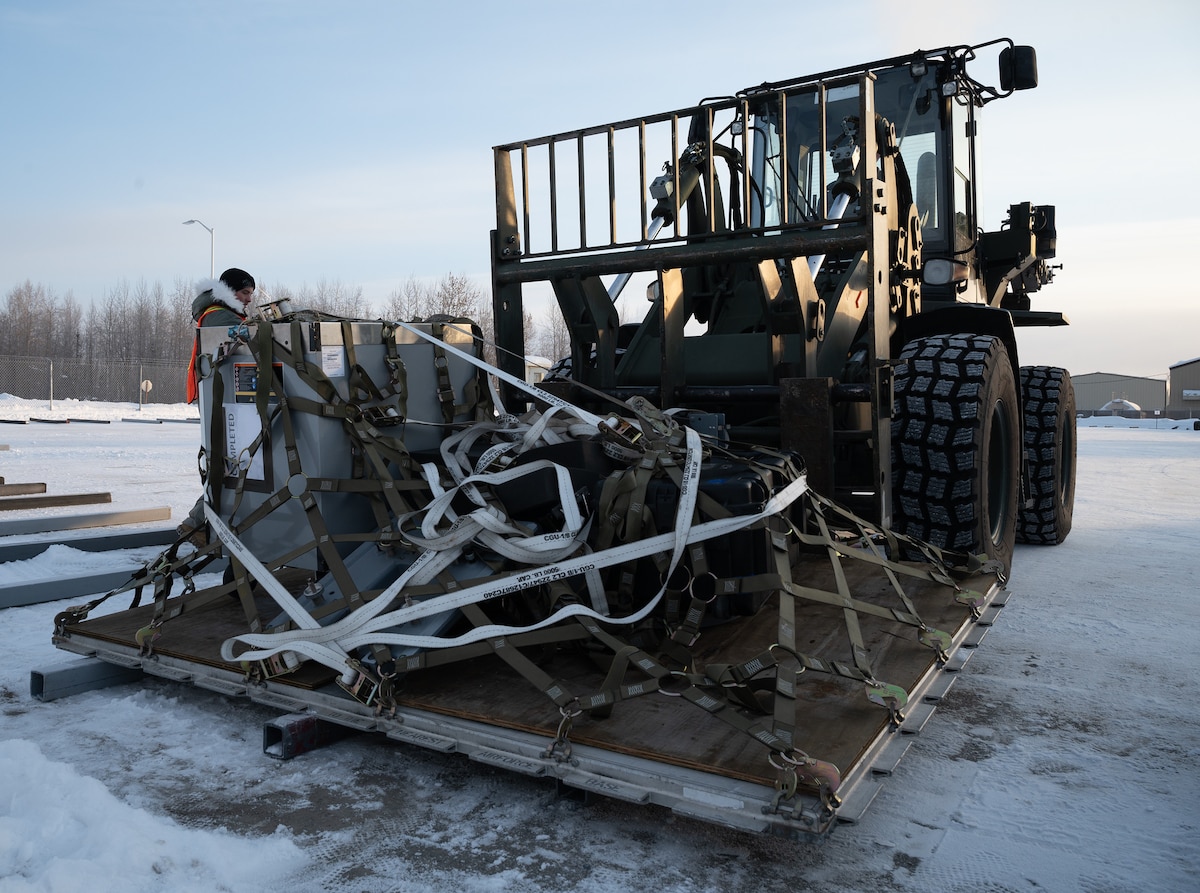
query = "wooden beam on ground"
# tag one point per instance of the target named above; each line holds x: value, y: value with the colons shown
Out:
x: 14, y: 503
x: 20, y: 489
x: 11, y: 527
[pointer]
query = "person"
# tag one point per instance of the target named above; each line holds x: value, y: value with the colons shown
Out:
x: 220, y: 302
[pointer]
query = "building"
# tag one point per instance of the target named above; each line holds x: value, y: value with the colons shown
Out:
x: 536, y: 368
x: 1183, y: 389
x: 1096, y: 389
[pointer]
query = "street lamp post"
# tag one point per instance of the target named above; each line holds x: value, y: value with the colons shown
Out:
x: 212, y: 247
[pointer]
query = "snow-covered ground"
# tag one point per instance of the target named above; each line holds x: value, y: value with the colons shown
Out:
x: 1063, y: 759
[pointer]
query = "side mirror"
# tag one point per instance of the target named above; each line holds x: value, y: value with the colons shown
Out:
x: 1018, y: 68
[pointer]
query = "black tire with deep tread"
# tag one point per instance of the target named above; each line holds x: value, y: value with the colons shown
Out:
x: 1049, y: 400
x: 956, y: 447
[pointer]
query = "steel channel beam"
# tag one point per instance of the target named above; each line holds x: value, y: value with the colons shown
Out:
x: 16, y: 595
x: 76, y: 676
x: 101, y: 542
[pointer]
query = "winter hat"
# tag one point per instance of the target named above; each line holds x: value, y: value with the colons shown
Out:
x: 237, y: 279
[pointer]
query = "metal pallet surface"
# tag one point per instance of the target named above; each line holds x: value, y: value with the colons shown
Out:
x: 725, y: 793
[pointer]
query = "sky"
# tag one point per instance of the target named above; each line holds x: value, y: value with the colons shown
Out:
x: 351, y: 143
x: 1037, y: 772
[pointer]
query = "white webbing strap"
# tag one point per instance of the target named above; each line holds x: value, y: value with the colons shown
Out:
x: 331, y: 645
x: 369, y: 619
x: 373, y: 623
x: 532, y: 390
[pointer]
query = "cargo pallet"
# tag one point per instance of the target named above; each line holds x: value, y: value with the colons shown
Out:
x: 654, y: 749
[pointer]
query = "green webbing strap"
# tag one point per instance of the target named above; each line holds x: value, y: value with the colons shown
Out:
x: 376, y: 448
x: 397, y: 374
x: 477, y: 398
x: 844, y: 600
x: 245, y: 595
x: 296, y: 356
x: 788, y: 666
x: 216, y: 439
x: 936, y: 639
x: 946, y: 563
x: 380, y: 449
x: 555, y: 689
x: 626, y: 655
x: 441, y: 368
x: 795, y: 766
x: 473, y: 404
x: 243, y: 470
x: 697, y: 689
x: 937, y: 573
x: 624, y: 517
x: 862, y: 657
x: 311, y: 375
x: 380, y: 453
x: 261, y: 347
x: 441, y: 657
x: 360, y: 386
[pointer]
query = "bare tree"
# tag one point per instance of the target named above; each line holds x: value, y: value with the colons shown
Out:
x: 109, y: 322
x: 410, y: 301
x: 179, y: 329
x: 332, y: 297
x: 548, y: 336
x: 23, y: 321
x: 65, y: 328
x: 453, y: 295
x: 456, y: 295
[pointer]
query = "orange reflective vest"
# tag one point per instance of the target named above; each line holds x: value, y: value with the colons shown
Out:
x: 193, y: 380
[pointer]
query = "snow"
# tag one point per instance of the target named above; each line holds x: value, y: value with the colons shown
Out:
x: 1063, y: 759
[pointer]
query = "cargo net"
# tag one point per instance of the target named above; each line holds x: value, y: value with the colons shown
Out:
x: 628, y: 539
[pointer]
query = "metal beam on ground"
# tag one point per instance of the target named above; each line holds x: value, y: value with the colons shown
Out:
x: 78, y: 522
x: 101, y: 542
x: 76, y: 676
x: 297, y: 733
x: 38, y: 592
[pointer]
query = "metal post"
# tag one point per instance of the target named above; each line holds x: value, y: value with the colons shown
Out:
x: 52, y: 384
x: 212, y: 246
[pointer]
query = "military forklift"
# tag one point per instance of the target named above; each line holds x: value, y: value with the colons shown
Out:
x: 683, y: 580
x: 818, y: 282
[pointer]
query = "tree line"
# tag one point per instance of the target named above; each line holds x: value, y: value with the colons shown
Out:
x: 144, y: 322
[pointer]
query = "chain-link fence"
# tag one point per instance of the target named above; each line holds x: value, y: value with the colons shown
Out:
x: 116, y: 381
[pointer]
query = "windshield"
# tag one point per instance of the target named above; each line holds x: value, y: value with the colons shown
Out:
x: 911, y: 104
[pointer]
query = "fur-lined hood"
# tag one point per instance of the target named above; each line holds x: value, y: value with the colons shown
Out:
x: 214, y: 291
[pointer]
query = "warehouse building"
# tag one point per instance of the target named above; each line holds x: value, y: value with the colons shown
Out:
x: 1183, y: 389
x: 1094, y: 392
